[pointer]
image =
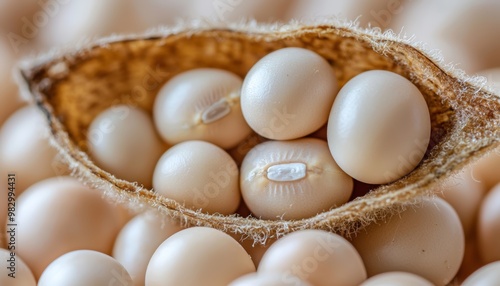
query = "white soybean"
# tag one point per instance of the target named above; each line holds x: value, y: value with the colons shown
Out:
x: 84, y: 268
x: 201, y: 104
x: 25, y: 149
x: 13, y: 270
x: 426, y: 240
x: 292, y: 179
x: 379, y: 127
x: 454, y: 27
x: 488, y: 275
x: 70, y: 22
x: 198, y: 256
x: 122, y: 140
x: 288, y: 94
x: 59, y: 215
x: 199, y: 175
x: 268, y: 279
x: 138, y: 240
x: 488, y: 226
x: 315, y: 256
x: 396, y: 279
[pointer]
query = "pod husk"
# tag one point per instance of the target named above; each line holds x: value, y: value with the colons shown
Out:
x: 72, y: 88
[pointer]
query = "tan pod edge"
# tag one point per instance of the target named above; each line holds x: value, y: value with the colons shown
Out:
x: 72, y: 89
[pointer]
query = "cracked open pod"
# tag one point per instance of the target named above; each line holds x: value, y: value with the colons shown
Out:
x: 73, y: 88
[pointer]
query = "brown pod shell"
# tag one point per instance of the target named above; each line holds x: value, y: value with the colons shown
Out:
x: 72, y: 88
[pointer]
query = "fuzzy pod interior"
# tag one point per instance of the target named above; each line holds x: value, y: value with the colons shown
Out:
x: 72, y: 88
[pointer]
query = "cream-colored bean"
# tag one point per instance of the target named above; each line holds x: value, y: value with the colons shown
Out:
x: 268, y: 279
x: 153, y: 13
x: 13, y: 270
x: 426, y: 239
x: 138, y: 240
x: 455, y: 28
x: 292, y: 179
x: 488, y: 275
x: 318, y: 257
x: 201, y: 104
x: 488, y: 226
x: 198, y: 256
x: 396, y: 279
x: 123, y: 141
x: 84, y: 268
x: 199, y: 175
x: 59, y: 215
x: 288, y: 94
x: 379, y: 127
x: 72, y: 22
x: 373, y: 13
x: 25, y: 149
